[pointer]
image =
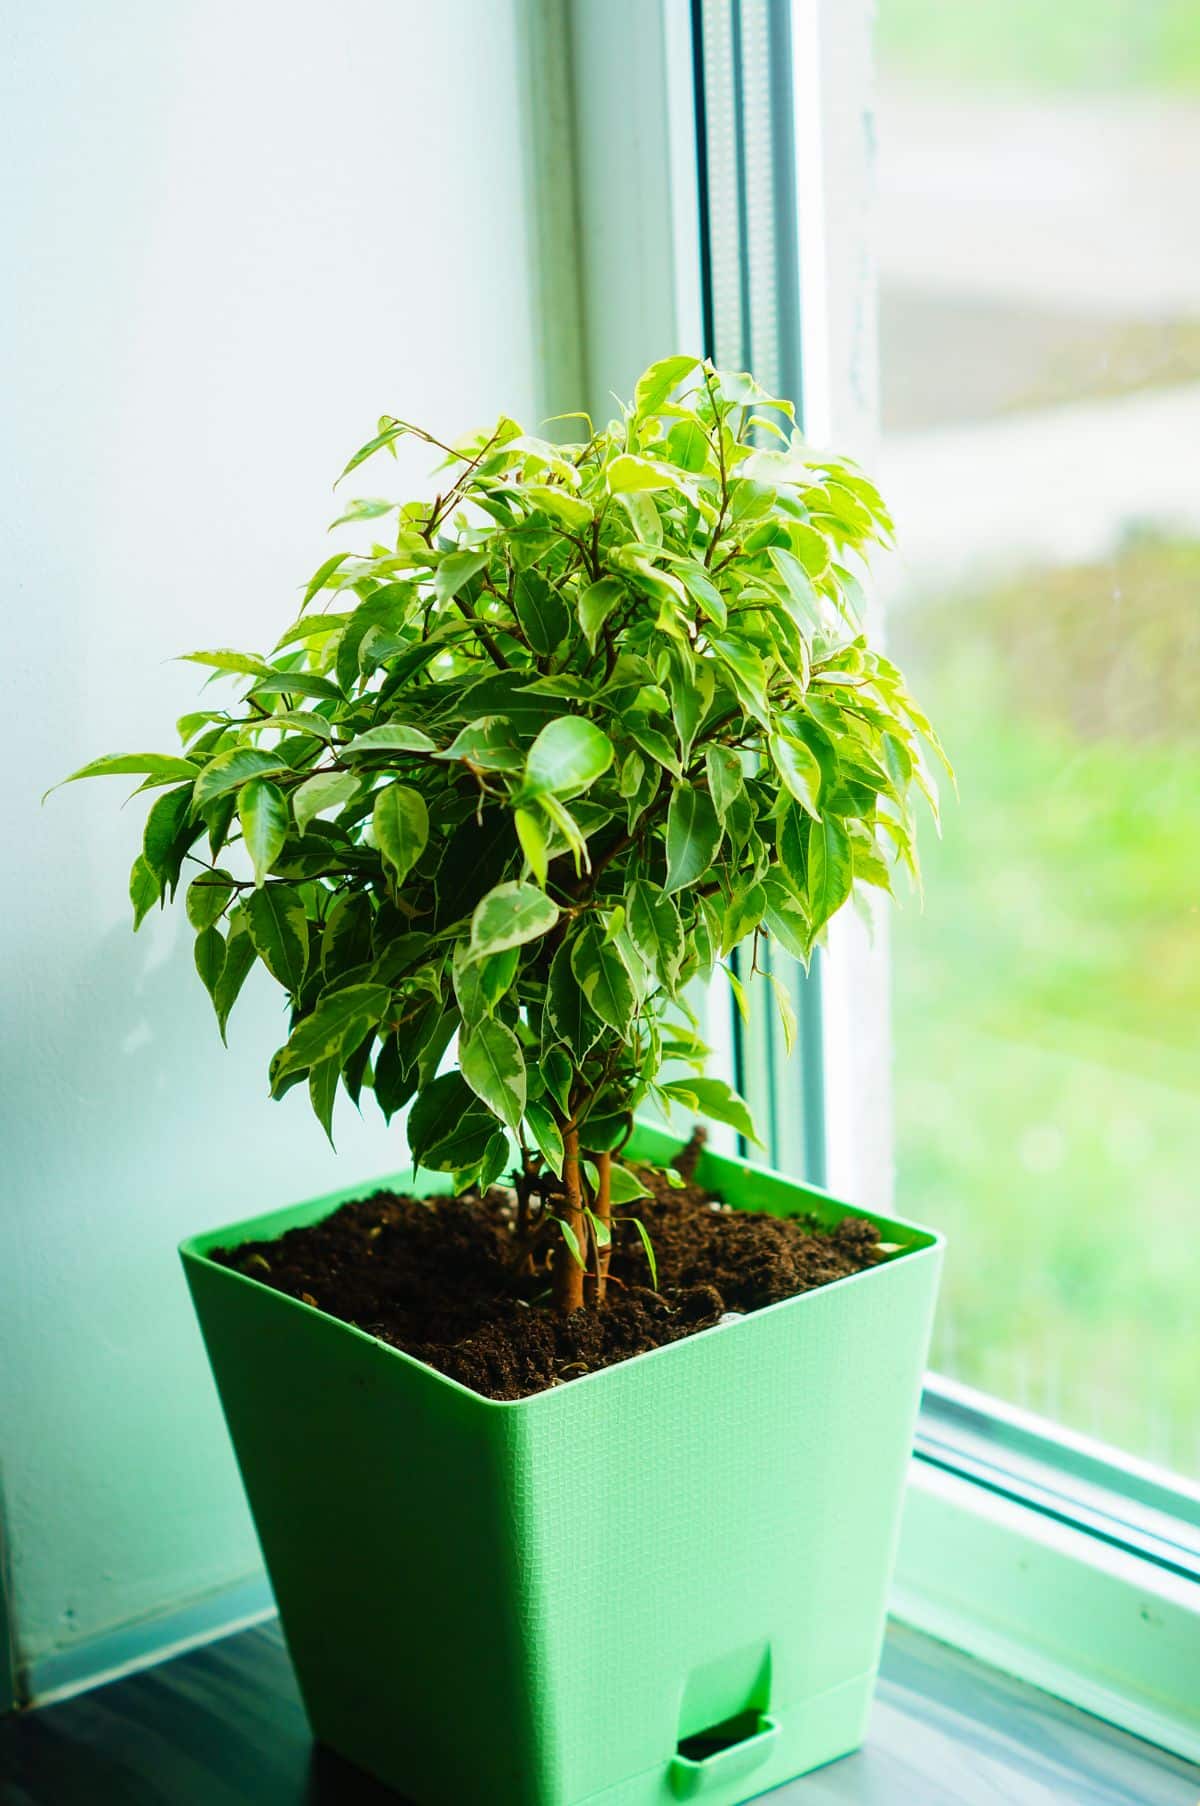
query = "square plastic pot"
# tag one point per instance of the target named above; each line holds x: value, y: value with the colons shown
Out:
x: 664, y: 1581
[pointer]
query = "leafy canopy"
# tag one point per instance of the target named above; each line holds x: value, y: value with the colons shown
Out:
x: 588, y: 719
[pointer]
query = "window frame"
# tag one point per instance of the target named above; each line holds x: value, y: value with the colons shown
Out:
x: 1053, y: 1557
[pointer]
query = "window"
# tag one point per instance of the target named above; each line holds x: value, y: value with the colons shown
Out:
x: 1039, y: 314
x: 1040, y: 350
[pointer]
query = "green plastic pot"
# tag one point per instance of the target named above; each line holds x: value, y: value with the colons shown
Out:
x: 664, y: 1581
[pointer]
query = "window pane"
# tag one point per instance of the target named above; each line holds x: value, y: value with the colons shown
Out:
x: 1040, y: 306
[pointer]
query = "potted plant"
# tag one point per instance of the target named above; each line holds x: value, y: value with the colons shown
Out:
x: 508, y: 789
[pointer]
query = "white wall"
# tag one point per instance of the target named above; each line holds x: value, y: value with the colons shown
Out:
x: 240, y: 231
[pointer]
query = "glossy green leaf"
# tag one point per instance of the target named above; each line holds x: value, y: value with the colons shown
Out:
x: 157, y: 768
x: 239, y: 958
x: 210, y: 958
x: 338, y: 1023
x: 568, y: 756
x: 532, y: 837
x: 262, y: 811
x: 229, y: 770
x: 511, y: 915
x: 656, y: 929
x: 541, y: 612
x: 601, y: 976
x: 278, y: 929
x: 596, y: 604
x: 400, y: 822
x: 657, y: 383
x: 546, y: 1134
x: 624, y: 1186
x: 797, y: 765
x: 491, y: 1061
x: 455, y: 571
x: 447, y: 1125
x: 714, y: 1099
x: 394, y: 737
x: 693, y: 836
x: 207, y: 896
x: 830, y: 869
x: 144, y: 890
x: 326, y: 790
x: 723, y: 769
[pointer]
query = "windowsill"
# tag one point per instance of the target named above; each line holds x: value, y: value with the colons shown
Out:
x: 225, y: 1721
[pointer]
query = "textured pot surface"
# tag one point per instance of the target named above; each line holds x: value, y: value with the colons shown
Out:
x: 533, y: 1603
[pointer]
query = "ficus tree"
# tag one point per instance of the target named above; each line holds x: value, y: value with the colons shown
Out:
x: 583, y: 722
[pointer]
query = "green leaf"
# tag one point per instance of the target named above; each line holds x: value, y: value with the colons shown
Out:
x: 366, y: 507
x: 532, y: 837
x: 627, y: 474
x: 226, y: 659
x: 648, y: 1245
x: 541, y: 612
x: 571, y: 511
x: 322, y: 1093
x: 546, y: 1134
x: 400, y: 822
x: 596, y: 604
x: 691, y: 694
x: 166, y: 836
x: 278, y: 929
x: 748, y: 674
x: 320, y: 577
x: 334, y: 1029
x: 830, y: 869
x: 263, y: 814
x: 567, y: 1010
x: 804, y: 605
x: 600, y: 1229
x: 143, y: 890
x: 624, y: 1186
x: 395, y: 737
x: 491, y: 1061
x: 239, y: 957
x: 723, y: 769
x: 325, y: 790
x: 656, y: 929
x: 207, y: 896
x: 656, y: 745
x: 571, y: 1239
x: 657, y: 383
x: 509, y: 916
x: 231, y: 769
x: 302, y: 721
x: 688, y: 446
x: 714, y: 1099
x: 210, y: 958
x: 810, y: 547
x: 797, y: 765
x: 447, y: 1125
x: 693, y: 836
x: 156, y: 768
x: 602, y: 978
x: 456, y: 570
x: 568, y: 756
x: 704, y: 592
x: 646, y: 522
x: 786, y: 918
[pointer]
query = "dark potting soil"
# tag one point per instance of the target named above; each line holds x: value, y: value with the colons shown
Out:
x: 436, y: 1277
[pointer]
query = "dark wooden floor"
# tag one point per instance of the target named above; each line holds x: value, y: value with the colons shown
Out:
x: 222, y: 1726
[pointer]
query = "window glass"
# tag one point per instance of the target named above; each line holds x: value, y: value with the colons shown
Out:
x: 1040, y: 312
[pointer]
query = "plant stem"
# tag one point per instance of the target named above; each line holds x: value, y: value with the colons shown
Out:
x: 596, y: 1283
x: 568, y: 1274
